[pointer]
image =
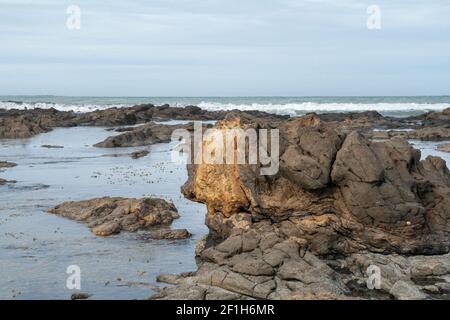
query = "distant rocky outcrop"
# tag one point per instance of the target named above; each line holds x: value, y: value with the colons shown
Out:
x: 339, y: 204
x: 434, y: 118
x: 432, y: 126
x: 19, y: 124
x: 425, y: 134
x: 107, y: 216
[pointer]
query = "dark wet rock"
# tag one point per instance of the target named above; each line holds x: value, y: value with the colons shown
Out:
x: 107, y: 216
x: 19, y: 124
x: 339, y: 204
x: 169, y: 234
x: 6, y: 164
x: 80, y: 296
x: 146, y: 134
x: 50, y: 146
x: 139, y: 154
x: 3, y: 181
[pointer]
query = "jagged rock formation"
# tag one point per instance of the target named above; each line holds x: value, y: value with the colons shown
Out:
x: 339, y: 203
x: 107, y: 216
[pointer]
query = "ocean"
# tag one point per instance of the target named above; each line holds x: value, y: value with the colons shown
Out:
x: 388, y: 106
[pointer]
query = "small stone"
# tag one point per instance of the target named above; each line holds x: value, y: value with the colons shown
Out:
x: 79, y: 296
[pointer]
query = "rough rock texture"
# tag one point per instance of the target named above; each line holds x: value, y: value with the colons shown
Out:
x: 107, y: 216
x: 168, y: 234
x: 338, y: 201
x: 19, y: 124
x: 146, y: 134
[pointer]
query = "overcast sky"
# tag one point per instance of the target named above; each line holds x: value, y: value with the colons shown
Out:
x: 225, y: 48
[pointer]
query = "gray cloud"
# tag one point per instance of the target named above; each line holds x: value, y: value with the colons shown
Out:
x: 225, y: 47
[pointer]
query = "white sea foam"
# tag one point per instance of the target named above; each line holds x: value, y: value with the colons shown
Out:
x: 82, y: 108
x: 299, y: 108
x: 287, y: 108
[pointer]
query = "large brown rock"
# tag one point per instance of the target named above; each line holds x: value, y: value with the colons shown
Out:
x: 379, y: 192
x: 338, y: 200
x: 107, y: 216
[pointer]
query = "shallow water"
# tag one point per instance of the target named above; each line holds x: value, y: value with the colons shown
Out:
x: 37, y: 247
x: 428, y: 148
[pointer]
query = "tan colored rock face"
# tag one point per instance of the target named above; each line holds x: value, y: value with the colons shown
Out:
x: 338, y: 205
x: 331, y: 185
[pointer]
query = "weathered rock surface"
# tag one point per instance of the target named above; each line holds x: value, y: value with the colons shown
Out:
x: 168, y: 234
x: 107, y: 216
x: 146, y: 134
x: 139, y: 154
x: 338, y: 204
x: 19, y: 124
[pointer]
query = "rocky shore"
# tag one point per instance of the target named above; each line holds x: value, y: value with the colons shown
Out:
x: 340, y: 206
x: 19, y: 124
x: 107, y: 216
x: 352, y: 201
